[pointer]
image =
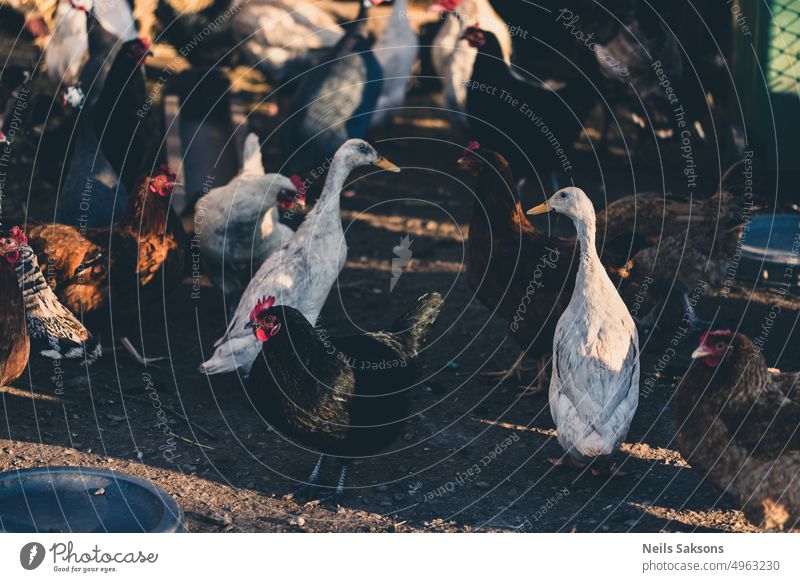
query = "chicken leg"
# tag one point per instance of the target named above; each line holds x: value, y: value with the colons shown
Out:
x: 541, y: 379
x: 517, y: 369
x: 126, y: 343
x: 306, y: 490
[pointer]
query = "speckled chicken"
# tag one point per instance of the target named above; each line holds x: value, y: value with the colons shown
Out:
x: 696, y: 258
x: 301, y: 273
x: 239, y: 226
x: 737, y: 423
x: 55, y: 334
x: 14, y: 341
x: 347, y: 397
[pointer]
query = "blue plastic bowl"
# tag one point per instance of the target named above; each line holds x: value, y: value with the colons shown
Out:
x: 84, y: 500
x: 769, y: 247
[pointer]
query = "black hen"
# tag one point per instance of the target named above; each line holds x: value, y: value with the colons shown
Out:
x: 335, y: 101
x: 346, y: 397
x: 129, y: 130
x: 91, y: 194
x: 533, y: 123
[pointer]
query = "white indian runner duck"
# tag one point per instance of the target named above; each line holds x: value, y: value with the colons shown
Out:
x: 283, y: 38
x: 594, y: 387
x: 301, y: 273
x: 238, y: 224
x: 396, y: 51
x: 453, y: 57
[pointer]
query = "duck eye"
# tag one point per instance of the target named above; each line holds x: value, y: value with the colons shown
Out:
x: 563, y: 194
x: 362, y: 148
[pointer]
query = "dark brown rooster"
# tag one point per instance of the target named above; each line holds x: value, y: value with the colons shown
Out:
x: 135, y: 262
x: 523, y: 275
x: 739, y: 424
x: 14, y: 343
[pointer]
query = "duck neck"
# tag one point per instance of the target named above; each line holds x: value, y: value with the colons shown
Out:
x: 587, y: 233
x: 328, y: 204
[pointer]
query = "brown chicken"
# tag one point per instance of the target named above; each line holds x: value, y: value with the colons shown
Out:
x: 694, y: 259
x: 523, y: 275
x: 135, y: 262
x: 739, y: 423
x: 14, y: 342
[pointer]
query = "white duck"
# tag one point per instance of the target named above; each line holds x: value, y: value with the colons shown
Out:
x: 453, y: 57
x: 396, y: 51
x: 69, y: 43
x: 594, y: 387
x: 300, y: 273
x: 284, y: 37
x: 238, y: 224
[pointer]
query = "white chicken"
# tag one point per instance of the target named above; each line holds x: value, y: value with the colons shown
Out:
x: 301, y: 273
x: 283, y: 38
x: 67, y: 49
x: 396, y: 51
x: 453, y: 57
x: 237, y: 224
x: 594, y: 387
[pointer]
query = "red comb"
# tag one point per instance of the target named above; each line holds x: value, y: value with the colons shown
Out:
x: 263, y: 304
x: 473, y: 145
x: 716, y: 333
x: 448, y: 5
x: 19, y: 234
x: 145, y: 42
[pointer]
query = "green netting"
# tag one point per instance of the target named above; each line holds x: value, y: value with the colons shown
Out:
x: 784, y: 47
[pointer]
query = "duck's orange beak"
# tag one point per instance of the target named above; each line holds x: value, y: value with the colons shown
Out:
x: 543, y: 208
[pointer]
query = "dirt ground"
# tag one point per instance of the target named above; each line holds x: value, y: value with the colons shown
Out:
x: 229, y: 472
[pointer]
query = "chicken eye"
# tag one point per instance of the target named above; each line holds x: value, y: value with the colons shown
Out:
x: 721, y: 346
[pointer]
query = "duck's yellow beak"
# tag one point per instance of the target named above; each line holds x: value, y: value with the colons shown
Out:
x: 541, y: 209
x: 700, y: 353
x: 386, y: 165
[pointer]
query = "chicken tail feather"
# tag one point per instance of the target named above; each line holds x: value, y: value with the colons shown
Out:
x: 413, y: 327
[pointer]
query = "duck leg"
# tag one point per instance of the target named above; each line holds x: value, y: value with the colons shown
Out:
x: 565, y: 461
x: 517, y: 369
x: 306, y: 490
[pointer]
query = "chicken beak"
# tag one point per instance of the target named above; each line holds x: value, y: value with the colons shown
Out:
x: 462, y: 162
x: 250, y: 325
x: 700, y: 352
x: 541, y: 209
x: 386, y: 165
